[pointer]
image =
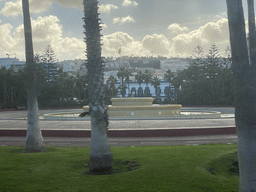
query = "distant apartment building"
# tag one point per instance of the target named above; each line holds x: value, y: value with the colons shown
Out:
x: 135, y: 90
x: 145, y: 63
x: 115, y: 64
x: 72, y: 65
x: 12, y: 63
x: 174, y: 64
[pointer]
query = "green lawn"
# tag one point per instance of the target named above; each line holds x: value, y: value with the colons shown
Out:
x: 161, y: 168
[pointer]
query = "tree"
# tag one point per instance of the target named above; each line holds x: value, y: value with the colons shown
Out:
x: 197, y: 58
x: 34, y: 139
x: 211, y: 69
x: 252, y: 33
x: 112, y: 81
x: 139, y: 77
x: 155, y: 82
x: 147, y: 75
x: 122, y: 74
x: 100, y: 156
x: 48, y: 60
x: 47, y: 74
x: 127, y: 79
x: 245, y: 97
x: 168, y: 76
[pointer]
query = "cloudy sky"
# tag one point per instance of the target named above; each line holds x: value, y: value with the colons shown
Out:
x: 139, y: 27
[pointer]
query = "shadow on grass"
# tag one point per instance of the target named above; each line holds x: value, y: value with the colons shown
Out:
x: 18, y: 150
x: 226, y: 165
x: 119, y: 166
x: 23, y: 150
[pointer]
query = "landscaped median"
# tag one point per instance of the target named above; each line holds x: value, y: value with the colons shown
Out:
x: 157, y: 168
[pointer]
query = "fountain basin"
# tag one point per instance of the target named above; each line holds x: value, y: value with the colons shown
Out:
x: 139, y: 107
x: 183, y: 115
x: 132, y: 101
x: 142, y: 110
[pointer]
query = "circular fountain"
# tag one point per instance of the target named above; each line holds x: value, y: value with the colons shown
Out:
x: 139, y: 108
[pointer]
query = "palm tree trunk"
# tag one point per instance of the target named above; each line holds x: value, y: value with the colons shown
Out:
x: 100, y: 156
x: 252, y: 35
x: 34, y: 139
x: 245, y: 98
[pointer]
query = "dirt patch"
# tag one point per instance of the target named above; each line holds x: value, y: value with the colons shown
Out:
x: 119, y: 166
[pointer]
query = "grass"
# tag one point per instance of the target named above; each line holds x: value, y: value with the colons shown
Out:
x: 161, y: 168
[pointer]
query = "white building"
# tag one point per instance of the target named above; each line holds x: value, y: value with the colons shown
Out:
x: 114, y: 64
x: 71, y: 65
x: 174, y: 64
x: 133, y: 89
x: 13, y: 63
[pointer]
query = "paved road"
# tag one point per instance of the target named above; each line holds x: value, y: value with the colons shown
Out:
x: 118, y: 142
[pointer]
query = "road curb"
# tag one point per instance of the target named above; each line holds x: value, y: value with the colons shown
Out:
x: 127, y: 133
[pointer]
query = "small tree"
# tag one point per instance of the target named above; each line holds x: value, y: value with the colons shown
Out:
x: 48, y: 60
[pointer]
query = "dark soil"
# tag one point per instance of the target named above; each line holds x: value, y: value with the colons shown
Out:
x: 119, y: 166
x: 225, y: 165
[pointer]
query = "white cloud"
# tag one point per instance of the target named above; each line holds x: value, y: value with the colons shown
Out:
x: 7, y: 41
x: 46, y: 31
x: 67, y: 3
x: 112, y: 43
x: 157, y: 44
x: 123, y: 20
x: 129, y: 3
x: 220, y: 16
x: 212, y: 32
x: 14, y: 8
x: 106, y: 8
x: 176, y: 28
x: 103, y: 25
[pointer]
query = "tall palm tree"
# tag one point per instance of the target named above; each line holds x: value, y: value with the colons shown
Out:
x: 122, y: 74
x: 100, y: 156
x: 147, y: 76
x: 34, y: 139
x: 155, y: 82
x: 139, y: 77
x: 168, y: 76
x: 111, y: 82
x: 252, y: 33
x: 245, y: 97
x: 127, y: 78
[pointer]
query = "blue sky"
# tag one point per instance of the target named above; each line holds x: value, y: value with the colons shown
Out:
x: 140, y: 27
